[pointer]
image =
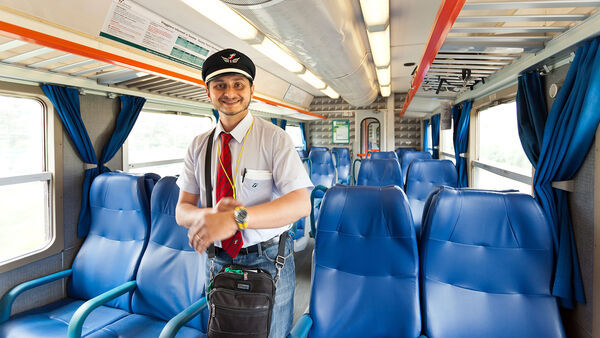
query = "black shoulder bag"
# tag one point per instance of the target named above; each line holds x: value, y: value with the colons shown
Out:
x: 240, y: 298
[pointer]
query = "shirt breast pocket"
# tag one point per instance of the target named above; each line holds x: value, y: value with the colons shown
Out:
x: 257, y: 187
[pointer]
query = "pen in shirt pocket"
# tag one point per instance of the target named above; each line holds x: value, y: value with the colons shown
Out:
x: 243, y: 175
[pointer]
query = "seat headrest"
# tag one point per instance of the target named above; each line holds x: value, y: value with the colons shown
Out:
x: 376, y: 155
x: 318, y: 149
x: 380, y: 172
x: 366, y: 211
x: 341, y: 150
x: 486, y: 218
x: 434, y: 172
x: 114, y: 190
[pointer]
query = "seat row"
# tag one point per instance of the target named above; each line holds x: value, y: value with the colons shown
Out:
x: 483, y: 266
x: 134, y: 272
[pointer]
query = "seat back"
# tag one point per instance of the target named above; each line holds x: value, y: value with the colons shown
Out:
x: 400, y: 151
x: 410, y: 156
x: 302, y: 153
x: 172, y: 275
x: 422, y: 177
x: 323, y: 170
x: 365, y: 258
x: 377, y: 155
x: 380, y: 173
x: 486, y: 266
x: 120, y: 223
x: 342, y: 160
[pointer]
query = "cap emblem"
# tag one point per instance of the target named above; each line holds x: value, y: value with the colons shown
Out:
x: 231, y: 58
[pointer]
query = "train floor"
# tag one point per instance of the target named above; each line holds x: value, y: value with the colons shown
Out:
x: 303, y: 261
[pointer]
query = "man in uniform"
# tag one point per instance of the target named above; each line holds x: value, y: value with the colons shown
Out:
x: 259, y: 184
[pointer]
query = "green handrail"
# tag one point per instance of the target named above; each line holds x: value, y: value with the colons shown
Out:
x: 312, y: 208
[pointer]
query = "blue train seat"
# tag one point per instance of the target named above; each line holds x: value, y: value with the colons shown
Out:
x: 400, y: 151
x: 109, y: 257
x: 302, y: 153
x: 365, y: 277
x: 171, y: 276
x: 486, y: 266
x: 410, y: 156
x: 342, y: 164
x: 322, y: 174
x: 380, y: 173
x: 377, y: 155
x: 422, y: 177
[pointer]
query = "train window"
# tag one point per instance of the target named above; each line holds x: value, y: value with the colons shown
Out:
x: 25, y: 184
x: 447, y: 144
x: 429, y: 141
x: 501, y: 163
x: 296, y: 135
x: 158, y: 142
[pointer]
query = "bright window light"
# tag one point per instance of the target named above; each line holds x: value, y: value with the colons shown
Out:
x: 380, y: 47
x: 225, y: 17
x: 384, y: 76
x: 271, y: 50
x: 375, y: 12
x: 330, y: 92
x: 385, y: 90
x: 312, y: 79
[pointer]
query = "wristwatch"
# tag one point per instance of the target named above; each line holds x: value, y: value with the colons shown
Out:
x: 240, y: 215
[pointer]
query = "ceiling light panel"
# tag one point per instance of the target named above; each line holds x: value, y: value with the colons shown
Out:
x: 225, y: 17
x: 385, y: 90
x: 380, y: 47
x: 330, y: 92
x: 275, y: 53
x: 312, y: 79
x: 384, y: 76
x: 375, y: 12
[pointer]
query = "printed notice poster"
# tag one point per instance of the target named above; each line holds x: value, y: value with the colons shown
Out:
x: 133, y: 25
x: 341, y: 131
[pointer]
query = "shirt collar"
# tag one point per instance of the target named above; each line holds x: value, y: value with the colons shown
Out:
x: 239, y: 131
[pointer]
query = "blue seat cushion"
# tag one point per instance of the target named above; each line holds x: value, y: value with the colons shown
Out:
x: 52, y: 320
x: 136, y: 325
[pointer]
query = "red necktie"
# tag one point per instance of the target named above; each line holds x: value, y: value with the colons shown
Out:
x: 224, y: 188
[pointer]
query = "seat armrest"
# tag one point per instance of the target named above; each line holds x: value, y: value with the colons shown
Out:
x: 173, y: 325
x: 302, y: 327
x: 76, y: 323
x: 8, y: 299
x: 312, y: 208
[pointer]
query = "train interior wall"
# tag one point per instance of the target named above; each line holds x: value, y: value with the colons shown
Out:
x: 99, y: 115
x: 578, y: 322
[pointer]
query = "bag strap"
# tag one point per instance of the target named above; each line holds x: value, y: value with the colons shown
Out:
x: 280, y: 259
x: 208, y: 183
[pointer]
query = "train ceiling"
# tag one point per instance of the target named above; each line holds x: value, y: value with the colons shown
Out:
x: 487, y: 39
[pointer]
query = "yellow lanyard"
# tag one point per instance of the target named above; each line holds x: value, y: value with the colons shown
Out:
x: 238, y: 160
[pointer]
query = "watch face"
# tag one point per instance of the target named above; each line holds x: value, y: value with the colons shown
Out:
x: 241, y: 214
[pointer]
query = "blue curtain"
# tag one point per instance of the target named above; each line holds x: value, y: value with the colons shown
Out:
x: 283, y: 123
x: 66, y: 102
x: 274, y: 120
x: 426, y: 136
x: 461, y: 141
x: 568, y: 135
x: 303, y: 133
x: 435, y: 135
x: 216, y: 114
x: 531, y: 114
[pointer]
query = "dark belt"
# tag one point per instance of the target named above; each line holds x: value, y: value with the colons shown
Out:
x: 253, y: 248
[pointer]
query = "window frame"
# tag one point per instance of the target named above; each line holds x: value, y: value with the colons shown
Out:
x: 52, y: 174
x: 505, y: 96
x: 128, y: 166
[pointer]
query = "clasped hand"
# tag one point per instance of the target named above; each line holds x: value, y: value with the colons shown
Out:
x: 215, y: 225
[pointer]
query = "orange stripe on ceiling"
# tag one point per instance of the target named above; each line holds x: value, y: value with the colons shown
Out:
x: 445, y: 18
x: 24, y: 34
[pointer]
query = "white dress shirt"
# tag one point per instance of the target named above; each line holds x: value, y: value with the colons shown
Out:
x: 269, y: 167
